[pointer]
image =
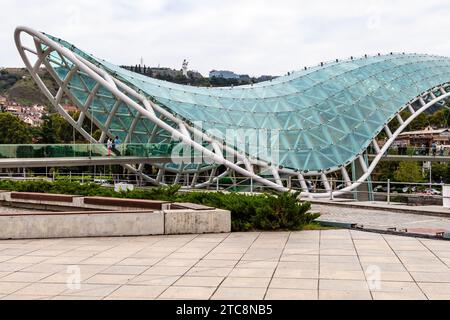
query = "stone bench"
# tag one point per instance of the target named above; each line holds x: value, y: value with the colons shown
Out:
x: 127, y: 203
x: 192, y: 206
x: 42, y: 197
x: 105, y: 217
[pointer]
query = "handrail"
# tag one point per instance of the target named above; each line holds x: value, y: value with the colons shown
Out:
x: 439, y: 151
x: 26, y: 151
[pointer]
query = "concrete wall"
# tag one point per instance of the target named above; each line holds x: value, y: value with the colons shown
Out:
x: 77, y: 204
x: 191, y: 221
x: 71, y: 220
x: 81, y: 225
x: 114, y: 224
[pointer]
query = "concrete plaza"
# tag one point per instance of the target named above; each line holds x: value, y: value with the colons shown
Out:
x: 335, y: 264
x: 383, y: 217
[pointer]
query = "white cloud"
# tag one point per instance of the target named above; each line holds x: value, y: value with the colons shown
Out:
x: 253, y: 36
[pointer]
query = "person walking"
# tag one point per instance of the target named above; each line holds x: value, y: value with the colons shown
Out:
x: 434, y: 149
x: 117, y: 142
x: 109, y: 144
x: 441, y: 150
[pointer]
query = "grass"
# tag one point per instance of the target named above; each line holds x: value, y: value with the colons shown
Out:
x: 317, y: 226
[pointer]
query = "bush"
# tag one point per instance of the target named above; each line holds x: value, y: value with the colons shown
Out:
x: 281, y: 211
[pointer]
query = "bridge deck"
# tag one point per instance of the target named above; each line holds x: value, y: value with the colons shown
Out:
x: 417, y: 158
x: 71, y: 155
x: 79, y: 161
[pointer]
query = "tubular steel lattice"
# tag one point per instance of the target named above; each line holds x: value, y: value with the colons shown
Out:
x: 326, y: 117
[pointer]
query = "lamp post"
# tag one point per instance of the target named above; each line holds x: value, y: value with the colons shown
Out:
x: 431, y: 179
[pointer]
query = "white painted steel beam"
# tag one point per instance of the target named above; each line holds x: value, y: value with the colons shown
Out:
x: 180, y: 130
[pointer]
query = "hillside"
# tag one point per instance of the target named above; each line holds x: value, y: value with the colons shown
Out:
x: 17, y: 85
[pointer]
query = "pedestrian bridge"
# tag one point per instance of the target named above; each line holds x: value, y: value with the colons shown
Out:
x: 325, y: 117
x: 66, y: 155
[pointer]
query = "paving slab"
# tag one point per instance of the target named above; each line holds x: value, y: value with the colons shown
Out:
x: 381, y: 216
x: 311, y: 265
x: 292, y: 294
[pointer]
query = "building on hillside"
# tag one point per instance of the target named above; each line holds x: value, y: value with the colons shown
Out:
x: 14, y: 109
x: 225, y: 74
x: 29, y: 120
x: 244, y: 77
x: 33, y: 121
x: 265, y: 78
x: 424, y: 137
x: 39, y: 108
x: 3, y: 104
x: 70, y: 108
x: 29, y: 114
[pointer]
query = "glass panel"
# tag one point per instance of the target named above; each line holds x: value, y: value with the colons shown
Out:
x: 323, y: 106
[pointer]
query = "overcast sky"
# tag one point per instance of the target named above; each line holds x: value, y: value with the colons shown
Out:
x: 247, y: 36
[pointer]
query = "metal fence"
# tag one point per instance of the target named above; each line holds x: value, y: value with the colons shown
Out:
x: 85, y: 150
x: 438, y: 151
x: 382, y: 191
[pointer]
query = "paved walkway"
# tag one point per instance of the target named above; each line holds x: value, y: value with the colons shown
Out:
x: 430, y: 210
x: 336, y: 264
x: 383, y: 219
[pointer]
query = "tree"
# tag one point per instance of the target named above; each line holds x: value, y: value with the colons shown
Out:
x: 440, y: 172
x: 48, y: 132
x: 56, y: 129
x: 386, y: 171
x: 420, y: 123
x: 13, y: 130
x: 440, y: 118
x: 408, y: 172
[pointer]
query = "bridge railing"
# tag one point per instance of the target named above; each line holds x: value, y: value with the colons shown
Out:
x: 441, y: 151
x: 414, y: 194
x: 84, y: 150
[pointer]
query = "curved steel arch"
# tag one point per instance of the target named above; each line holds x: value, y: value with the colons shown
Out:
x: 322, y: 98
x: 122, y: 93
x: 444, y: 93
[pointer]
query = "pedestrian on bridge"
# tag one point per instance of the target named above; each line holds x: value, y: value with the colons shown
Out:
x: 441, y: 150
x: 117, y: 142
x: 109, y: 144
x: 434, y: 148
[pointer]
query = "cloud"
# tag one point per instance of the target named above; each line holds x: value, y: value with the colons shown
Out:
x: 247, y: 36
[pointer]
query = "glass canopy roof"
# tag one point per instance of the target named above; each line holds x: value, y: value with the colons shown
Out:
x: 326, y: 115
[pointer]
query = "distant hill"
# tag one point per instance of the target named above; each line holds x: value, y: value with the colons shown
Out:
x: 17, y: 85
x: 194, y: 78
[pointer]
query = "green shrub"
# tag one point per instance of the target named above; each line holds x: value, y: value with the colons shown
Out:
x: 281, y: 211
